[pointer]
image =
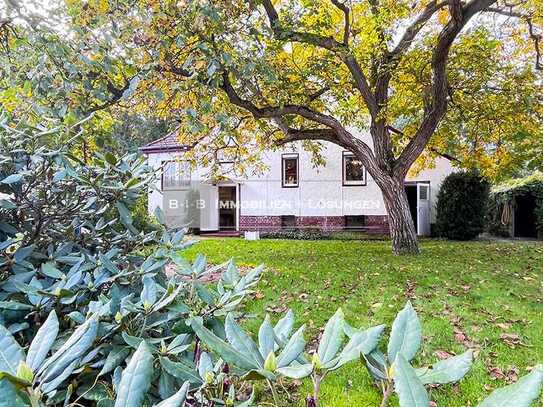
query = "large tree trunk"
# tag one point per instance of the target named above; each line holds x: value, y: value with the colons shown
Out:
x: 402, y: 228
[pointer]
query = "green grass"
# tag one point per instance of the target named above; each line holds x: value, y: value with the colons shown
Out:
x: 487, y: 288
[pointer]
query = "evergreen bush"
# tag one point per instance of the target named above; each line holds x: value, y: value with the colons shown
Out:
x: 461, y: 206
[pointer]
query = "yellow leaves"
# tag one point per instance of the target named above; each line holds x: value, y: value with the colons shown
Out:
x: 102, y: 6
x: 9, y: 99
x: 443, y: 16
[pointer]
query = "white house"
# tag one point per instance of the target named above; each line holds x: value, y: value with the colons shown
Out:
x: 292, y: 193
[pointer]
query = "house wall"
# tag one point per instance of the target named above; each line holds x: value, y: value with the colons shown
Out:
x: 320, y: 200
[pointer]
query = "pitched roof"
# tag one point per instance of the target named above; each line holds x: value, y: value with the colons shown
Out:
x: 163, y: 144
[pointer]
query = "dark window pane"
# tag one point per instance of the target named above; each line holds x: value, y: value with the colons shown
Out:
x: 354, y: 170
x: 290, y: 171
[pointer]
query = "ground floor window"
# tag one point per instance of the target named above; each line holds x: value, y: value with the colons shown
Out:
x: 175, y: 175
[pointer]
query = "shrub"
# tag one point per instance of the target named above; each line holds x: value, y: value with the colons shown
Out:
x: 297, y: 234
x: 461, y: 206
x: 87, y: 320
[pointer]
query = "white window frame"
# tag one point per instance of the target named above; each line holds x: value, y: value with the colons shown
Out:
x: 347, y: 182
x: 183, y: 180
x: 284, y: 182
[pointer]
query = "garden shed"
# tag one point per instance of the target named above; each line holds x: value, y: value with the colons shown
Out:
x: 516, y: 207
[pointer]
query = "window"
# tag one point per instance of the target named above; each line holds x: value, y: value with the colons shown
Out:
x: 290, y: 170
x: 176, y: 175
x: 354, y: 173
x: 288, y: 221
x: 355, y: 222
x: 423, y: 192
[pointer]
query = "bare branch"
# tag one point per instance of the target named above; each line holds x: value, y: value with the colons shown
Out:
x: 347, y: 26
x: 412, y: 31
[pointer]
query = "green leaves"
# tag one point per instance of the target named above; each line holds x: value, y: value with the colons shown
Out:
x: 406, y: 334
x: 227, y: 352
x: 332, y: 337
x: 177, y: 399
x: 136, y: 378
x: 149, y: 292
x: 410, y: 390
x: 65, y: 359
x: 241, y: 341
x: 9, y: 396
x: 10, y: 352
x: 42, y: 342
x: 12, y: 179
x: 520, y: 394
x: 293, y: 348
x: 50, y: 270
x: 361, y: 343
x: 266, y: 338
x: 447, y: 371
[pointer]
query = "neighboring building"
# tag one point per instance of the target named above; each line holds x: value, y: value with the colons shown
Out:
x: 516, y: 208
x: 291, y: 194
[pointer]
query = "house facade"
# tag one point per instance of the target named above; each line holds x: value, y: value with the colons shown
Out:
x: 292, y: 193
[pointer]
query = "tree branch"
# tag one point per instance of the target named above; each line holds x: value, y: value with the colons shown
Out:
x: 319, y: 134
x: 415, y: 27
x: 438, y: 105
x: 270, y: 112
x: 535, y: 37
x: 432, y: 149
x: 330, y: 44
x: 347, y: 18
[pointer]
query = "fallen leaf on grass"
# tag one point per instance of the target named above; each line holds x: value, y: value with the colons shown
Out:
x: 512, y: 340
x: 441, y: 354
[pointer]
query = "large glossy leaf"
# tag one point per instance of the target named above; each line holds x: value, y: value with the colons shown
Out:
x: 447, y: 371
x: 136, y: 378
x: 228, y: 353
x: 177, y: 399
x: 114, y: 358
x: 51, y: 383
x: 266, y: 338
x: 149, y: 292
x: 294, y: 347
x: 42, y: 342
x: 520, y: 394
x: 410, y: 390
x: 205, y: 365
x: 284, y: 326
x: 242, y: 342
x: 10, y: 352
x: 332, y: 337
x: 406, y: 334
x: 12, y: 179
x: 50, y: 270
x: 180, y: 370
x: 9, y: 396
x: 74, y: 348
x: 297, y: 371
x: 361, y: 343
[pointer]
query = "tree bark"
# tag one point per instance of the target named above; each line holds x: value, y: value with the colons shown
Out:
x: 402, y: 228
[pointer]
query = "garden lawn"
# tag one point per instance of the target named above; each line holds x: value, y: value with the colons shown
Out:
x: 485, y: 295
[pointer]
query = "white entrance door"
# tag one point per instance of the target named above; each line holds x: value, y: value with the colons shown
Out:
x: 423, y: 209
x: 209, y: 212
